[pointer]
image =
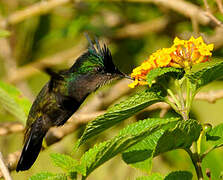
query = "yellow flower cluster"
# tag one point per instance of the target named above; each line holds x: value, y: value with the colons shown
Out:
x: 183, y: 54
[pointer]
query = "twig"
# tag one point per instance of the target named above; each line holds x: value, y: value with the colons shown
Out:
x: 214, y: 19
x: 195, y: 25
x: 163, y: 112
x: 183, y: 7
x: 220, y: 7
x: 78, y: 118
x: 211, y: 96
x: 104, y: 99
x: 10, y: 127
x: 210, y: 15
x: 186, y: 8
x: 217, y: 38
x: 11, y: 161
x: 140, y: 29
x: 4, y: 169
x: 159, y: 105
x: 33, y: 10
x: 33, y: 68
x: 206, y: 5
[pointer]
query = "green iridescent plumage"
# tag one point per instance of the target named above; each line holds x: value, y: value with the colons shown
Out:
x: 63, y: 95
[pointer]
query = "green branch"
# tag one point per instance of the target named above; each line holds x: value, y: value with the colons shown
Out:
x: 196, y: 162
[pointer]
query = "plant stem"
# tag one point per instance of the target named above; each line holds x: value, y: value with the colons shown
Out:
x: 199, y: 143
x: 195, y: 157
x: 210, y: 150
x: 188, y: 98
x: 180, y: 93
x: 174, y: 98
x: 172, y: 105
x: 183, y: 110
x: 196, y: 162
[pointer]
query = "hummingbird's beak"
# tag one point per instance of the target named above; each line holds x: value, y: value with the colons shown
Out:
x: 126, y: 76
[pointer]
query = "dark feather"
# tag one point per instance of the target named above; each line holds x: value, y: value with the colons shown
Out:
x: 105, y: 54
x: 52, y: 73
x: 91, y: 45
x: 32, y: 146
x: 54, y: 76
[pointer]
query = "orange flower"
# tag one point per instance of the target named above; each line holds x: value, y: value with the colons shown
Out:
x: 183, y: 54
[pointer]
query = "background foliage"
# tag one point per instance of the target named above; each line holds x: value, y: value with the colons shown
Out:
x: 133, y: 30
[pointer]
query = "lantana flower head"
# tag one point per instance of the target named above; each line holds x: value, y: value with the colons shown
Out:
x: 182, y: 54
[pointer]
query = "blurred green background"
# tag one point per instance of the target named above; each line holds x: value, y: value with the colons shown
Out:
x: 132, y: 30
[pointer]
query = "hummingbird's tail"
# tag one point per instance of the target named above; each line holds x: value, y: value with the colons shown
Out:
x: 32, y: 147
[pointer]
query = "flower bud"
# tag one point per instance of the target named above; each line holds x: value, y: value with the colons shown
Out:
x: 207, y: 127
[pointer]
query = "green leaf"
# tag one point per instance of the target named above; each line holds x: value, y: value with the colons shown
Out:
x: 145, y: 165
x: 48, y: 176
x: 215, y: 136
x: 179, y: 175
x: 73, y: 175
x: 154, y: 176
x: 4, y: 33
x: 213, y: 162
x: 160, y: 72
x: 122, y: 111
x: 14, y: 102
x: 41, y: 176
x: 67, y: 163
x: 206, y: 75
x: 129, y: 136
x: 180, y: 136
x: 58, y: 177
x: 140, y: 155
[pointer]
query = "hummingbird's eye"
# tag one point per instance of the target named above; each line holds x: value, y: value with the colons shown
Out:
x: 99, y: 69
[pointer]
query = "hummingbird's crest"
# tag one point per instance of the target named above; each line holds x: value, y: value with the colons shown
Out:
x: 103, y: 52
x: 95, y: 57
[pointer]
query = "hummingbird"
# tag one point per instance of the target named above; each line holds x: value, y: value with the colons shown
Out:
x: 63, y: 94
